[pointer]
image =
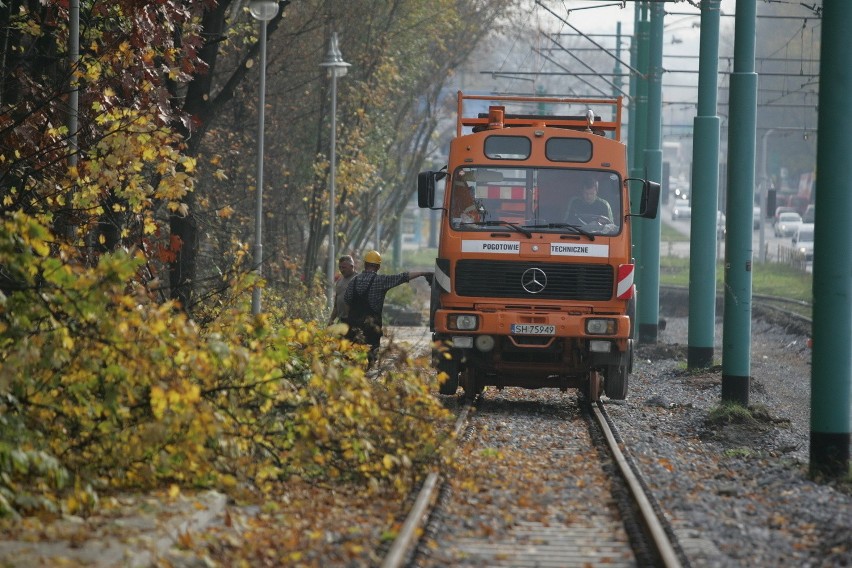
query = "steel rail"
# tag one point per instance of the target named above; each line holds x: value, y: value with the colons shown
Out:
x: 419, y: 514
x: 655, y: 531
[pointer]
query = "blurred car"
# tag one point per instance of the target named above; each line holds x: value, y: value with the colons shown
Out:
x: 394, y: 314
x: 809, y: 214
x: 681, y: 193
x: 681, y: 210
x: 803, y: 240
x: 787, y: 224
x: 778, y: 211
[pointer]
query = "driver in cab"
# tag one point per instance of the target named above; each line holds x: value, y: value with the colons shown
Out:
x: 465, y: 209
x: 588, y: 207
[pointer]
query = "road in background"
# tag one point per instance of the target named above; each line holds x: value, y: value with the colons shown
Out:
x: 774, y: 245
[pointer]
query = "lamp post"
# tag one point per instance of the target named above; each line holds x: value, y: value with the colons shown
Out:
x: 262, y: 11
x: 337, y: 68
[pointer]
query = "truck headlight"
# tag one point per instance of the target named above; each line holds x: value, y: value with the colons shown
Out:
x: 464, y: 322
x: 601, y: 326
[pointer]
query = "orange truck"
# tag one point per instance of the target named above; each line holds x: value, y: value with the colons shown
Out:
x: 533, y: 283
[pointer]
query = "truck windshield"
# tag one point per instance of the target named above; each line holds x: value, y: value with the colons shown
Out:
x: 536, y: 199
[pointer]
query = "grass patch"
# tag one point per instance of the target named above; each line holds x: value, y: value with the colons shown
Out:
x: 769, y: 279
x: 730, y: 413
x: 738, y: 453
x: 668, y: 233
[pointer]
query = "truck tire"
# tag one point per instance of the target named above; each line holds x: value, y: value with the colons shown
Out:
x: 449, y: 366
x: 471, y: 383
x: 615, y: 383
x: 451, y: 385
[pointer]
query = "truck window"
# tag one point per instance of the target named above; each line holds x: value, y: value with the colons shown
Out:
x: 508, y: 147
x: 568, y: 150
x: 540, y: 199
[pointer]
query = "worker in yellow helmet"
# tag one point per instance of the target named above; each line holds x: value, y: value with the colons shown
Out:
x: 365, y: 297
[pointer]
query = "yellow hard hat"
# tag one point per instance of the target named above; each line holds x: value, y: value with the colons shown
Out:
x: 373, y: 257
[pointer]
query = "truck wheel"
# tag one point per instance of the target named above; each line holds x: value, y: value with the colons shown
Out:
x: 448, y: 366
x: 471, y: 383
x: 615, y: 384
x: 592, y: 389
x: 630, y: 356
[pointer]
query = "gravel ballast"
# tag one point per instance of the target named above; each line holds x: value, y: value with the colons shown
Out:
x: 737, y: 492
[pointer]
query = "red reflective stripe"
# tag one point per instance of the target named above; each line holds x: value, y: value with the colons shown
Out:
x: 624, y: 282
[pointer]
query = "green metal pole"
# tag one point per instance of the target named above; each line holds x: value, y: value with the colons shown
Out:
x: 705, y: 196
x: 736, y: 329
x: 648, y: 301
x: 639, y: 115
x: 831, y: 373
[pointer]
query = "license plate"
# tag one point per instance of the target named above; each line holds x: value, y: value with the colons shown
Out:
x: 532, y: 329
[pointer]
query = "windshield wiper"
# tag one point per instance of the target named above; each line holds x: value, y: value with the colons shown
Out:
x: 501, y: 224
x: 574, y: 228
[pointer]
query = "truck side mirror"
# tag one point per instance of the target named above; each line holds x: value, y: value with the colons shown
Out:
x: 426, y: 189
x: 650, y: 202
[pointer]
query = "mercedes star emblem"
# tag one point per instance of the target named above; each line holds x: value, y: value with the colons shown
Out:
x: 534, y: 280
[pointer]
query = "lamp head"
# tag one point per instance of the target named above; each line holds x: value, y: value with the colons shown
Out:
x: 334, y: 59
x: 263, y: 10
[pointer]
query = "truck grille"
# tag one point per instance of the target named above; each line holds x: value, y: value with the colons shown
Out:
x: 499, y: 279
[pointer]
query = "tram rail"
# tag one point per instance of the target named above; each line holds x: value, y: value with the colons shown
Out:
x: 575, y: 540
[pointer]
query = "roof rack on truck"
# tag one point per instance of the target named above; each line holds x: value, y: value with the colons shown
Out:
x: 498, y: 118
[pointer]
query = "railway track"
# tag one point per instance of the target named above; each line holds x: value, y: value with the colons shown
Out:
x: 541, y: 481
x: 489, y: 514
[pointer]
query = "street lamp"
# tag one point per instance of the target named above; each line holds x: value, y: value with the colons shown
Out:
x: 262, y: 11
x: 337, y: 68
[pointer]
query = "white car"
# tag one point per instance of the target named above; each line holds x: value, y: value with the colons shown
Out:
x: 787, y: 224
x: 803, y: 240
x: 681, y: 210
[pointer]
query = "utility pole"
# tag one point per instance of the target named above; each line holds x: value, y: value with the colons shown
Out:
x: 736, y: 328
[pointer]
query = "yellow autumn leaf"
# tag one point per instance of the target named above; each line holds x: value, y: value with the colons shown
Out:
x: 193, y: 394
x: 225, y: 212
x: 40, y: 247
x: 174, y: 491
